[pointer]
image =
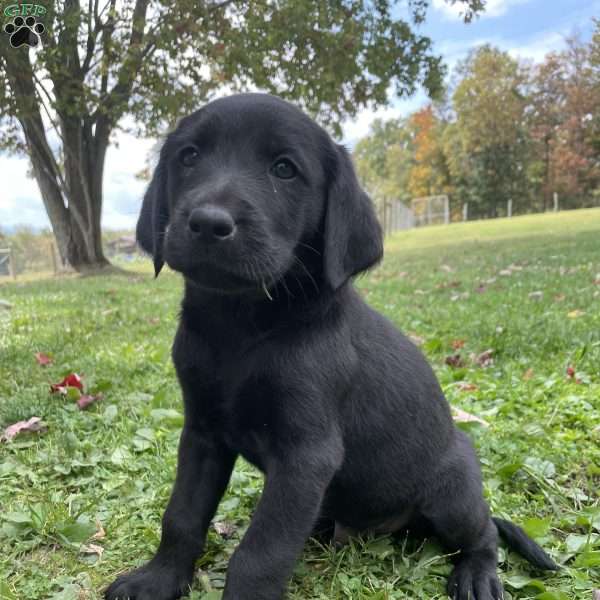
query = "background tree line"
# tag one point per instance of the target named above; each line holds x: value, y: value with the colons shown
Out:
x: 506, y: 129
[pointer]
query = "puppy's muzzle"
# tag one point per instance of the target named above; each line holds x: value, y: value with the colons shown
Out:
x: 212, y: 224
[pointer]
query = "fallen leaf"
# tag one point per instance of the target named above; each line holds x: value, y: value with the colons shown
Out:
x: 455, y: 360
x: 574, y: 314
x: 43, y: 359
x: 528, y: 374
x: 484, y: 359
x: 100, y: 533
x: 447, y: 268
x: 571, y: 371
x: 505, y: 272
x: 559, y: 298
x: 92, y: 549
x: 448, y: 284
x: 86, y: 399
x: 154, y: 320
x: 537, y: 295
x: 33, y: 425
x: 463, y: 386
x: 71, y: 380
x: 224, y: 529
x: 457, y: 344
x: 416, y: 339
x: 461, y: 416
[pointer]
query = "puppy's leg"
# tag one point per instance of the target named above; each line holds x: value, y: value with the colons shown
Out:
x: 460, y: 518
x: 288, y: 509
x: 203, y: 471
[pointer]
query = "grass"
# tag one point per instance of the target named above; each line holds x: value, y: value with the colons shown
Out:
x: 98, y: 480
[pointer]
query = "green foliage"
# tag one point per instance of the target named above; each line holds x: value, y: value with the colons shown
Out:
x: 159, y: 60
x: 107, y: 471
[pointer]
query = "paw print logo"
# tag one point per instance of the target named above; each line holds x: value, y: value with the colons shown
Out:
x: 24, y: 32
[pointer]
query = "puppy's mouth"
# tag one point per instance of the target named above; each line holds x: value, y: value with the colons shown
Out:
x: 230, y: 276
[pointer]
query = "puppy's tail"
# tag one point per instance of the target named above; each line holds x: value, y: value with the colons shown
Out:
x: 516, y: 539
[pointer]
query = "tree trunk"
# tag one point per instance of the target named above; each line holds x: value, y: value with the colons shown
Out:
x: 72, y: 192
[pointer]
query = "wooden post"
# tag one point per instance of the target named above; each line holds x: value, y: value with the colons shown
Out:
x: 447, y: 210
x: 509, y: 208
x: 53, y: 256
x: 555, y: 202
x: 11, y: 264
x: 428, y: 211
x: 466, y: 211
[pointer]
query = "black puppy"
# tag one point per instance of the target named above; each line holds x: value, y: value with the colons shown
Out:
x: 281, y: 361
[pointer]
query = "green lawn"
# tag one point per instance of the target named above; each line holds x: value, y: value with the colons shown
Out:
x: 526, y: 288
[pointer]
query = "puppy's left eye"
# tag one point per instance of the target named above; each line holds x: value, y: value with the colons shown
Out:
x: 284, y: 169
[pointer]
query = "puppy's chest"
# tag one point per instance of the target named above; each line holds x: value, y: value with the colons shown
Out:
x: 239, y: 402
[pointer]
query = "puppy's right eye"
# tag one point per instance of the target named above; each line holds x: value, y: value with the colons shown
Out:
x: 189, y: 156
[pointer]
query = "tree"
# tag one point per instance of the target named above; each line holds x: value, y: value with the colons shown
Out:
x: 487, y: 146
x: 429, y: 173
x: 383, y: 159
x: 154, y: 61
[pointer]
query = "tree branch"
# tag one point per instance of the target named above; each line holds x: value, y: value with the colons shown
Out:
x: 92, y: 35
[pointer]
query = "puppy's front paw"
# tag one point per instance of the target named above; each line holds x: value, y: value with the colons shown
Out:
x: 470, y: 581
x: 151, y: 582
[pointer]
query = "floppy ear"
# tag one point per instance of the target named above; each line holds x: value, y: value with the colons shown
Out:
x: 353, y: 240
x: 154, y: 216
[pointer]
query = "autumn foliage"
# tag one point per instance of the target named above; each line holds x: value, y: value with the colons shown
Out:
x: 507, y: 130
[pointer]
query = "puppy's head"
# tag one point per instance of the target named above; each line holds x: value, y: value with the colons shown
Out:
x: 245, y: 182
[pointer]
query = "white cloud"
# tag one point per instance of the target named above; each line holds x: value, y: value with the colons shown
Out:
x: 21, y: 203
x: 493, y: 8
x: 537, y: 47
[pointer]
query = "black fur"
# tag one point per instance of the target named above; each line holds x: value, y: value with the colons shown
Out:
x: 282, y: 362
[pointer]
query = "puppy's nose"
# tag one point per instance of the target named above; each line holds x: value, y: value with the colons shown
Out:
x: 212, y: 222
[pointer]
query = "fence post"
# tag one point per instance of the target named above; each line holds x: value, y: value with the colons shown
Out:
x: 53, y: 256
x: 447, y: 210
x: 466, y: 211
x: 555, y: 202
x: 509, y: 208
x: 11, y: 264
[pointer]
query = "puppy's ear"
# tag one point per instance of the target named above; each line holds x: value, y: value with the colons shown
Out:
x: 154, y: 216
x: 353, y: 240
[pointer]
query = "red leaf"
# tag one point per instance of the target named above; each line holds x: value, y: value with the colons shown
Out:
x: 455, y: 360
x: 32, y: 425
x: 71, y: 380
x: 571, y: 371
x: 87, y: 399
x: 457, y: 344
x: 43, y: 359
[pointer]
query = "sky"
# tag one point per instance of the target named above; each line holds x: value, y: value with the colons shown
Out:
x: 525, y: 28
